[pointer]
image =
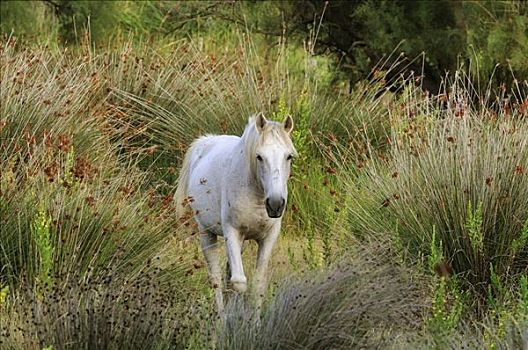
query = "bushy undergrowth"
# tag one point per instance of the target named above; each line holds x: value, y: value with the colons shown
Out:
x: 456, y: 172
x: 215, y: 93
x: 92, y: 313
x: 365, y: 303
x: 511, y: 334
x: 74, y: 205
x: 60, y: 166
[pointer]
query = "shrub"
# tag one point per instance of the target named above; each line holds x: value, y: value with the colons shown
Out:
x: 488, y: 334
x: 84, y: 231
x: 212, y: 93
x: 364, y: 303
x: 93, y: 312
x: 70, y: 196
x: 458, y: 170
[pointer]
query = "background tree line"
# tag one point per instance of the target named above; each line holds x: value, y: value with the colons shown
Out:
x: 433, y: 37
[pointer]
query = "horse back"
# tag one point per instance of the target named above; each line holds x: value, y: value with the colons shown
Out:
x: 209, y: 148
x: 210, y: 160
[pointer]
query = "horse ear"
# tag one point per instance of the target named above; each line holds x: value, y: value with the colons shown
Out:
x: 260, y: 122
x: 288, y: 123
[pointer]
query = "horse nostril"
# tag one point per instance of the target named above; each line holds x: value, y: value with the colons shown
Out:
x: 270, y: 206
x: 275, y: 205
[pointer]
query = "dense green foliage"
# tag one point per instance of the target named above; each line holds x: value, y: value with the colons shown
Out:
x: 407, y: 224
x: 433, y: 36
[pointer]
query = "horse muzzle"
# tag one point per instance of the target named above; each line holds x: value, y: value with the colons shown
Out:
x: 275, y: 206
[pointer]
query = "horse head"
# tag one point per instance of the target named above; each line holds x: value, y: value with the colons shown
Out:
x: 272, y: 154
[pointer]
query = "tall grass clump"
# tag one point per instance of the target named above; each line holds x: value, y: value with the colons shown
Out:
x: 487, y: 334
x: 70, y: 196
x: 459, y: 169
x: 83, y: 228
x: 101, y: 311
x: 212, y: 92
x: 367, y: 302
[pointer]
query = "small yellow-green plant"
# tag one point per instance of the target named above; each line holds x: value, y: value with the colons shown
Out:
x: 447, y: 304
x: 523, y: 298
x: 69, y: 180
x: 4, y: 291
x: 300, y: 133
x: 436, y: 251
x: 496, y: 290
x: 43, y: 243
x: 447, y: 300
x: 520, y: 242
x: 474, y: 227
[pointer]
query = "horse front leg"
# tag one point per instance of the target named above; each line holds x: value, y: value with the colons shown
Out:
x: 228, y: 268
x: 210, y: 249
x: 265, y: 247
x: 234, y: 241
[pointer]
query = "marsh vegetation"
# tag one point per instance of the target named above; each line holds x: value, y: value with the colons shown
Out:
x: 407, y: 221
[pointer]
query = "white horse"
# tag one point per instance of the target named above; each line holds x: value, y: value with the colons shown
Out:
x: 237, y: 188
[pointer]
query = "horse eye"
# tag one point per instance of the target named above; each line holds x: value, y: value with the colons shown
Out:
x: 259, y: 158
x: 289, y: 157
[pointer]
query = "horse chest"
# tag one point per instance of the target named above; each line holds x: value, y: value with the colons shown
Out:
x: 251, y: 221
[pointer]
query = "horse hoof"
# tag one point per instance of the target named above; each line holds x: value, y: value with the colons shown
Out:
x: 239, y: 285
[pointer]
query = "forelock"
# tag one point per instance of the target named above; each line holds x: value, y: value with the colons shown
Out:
x: 253, y: 139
